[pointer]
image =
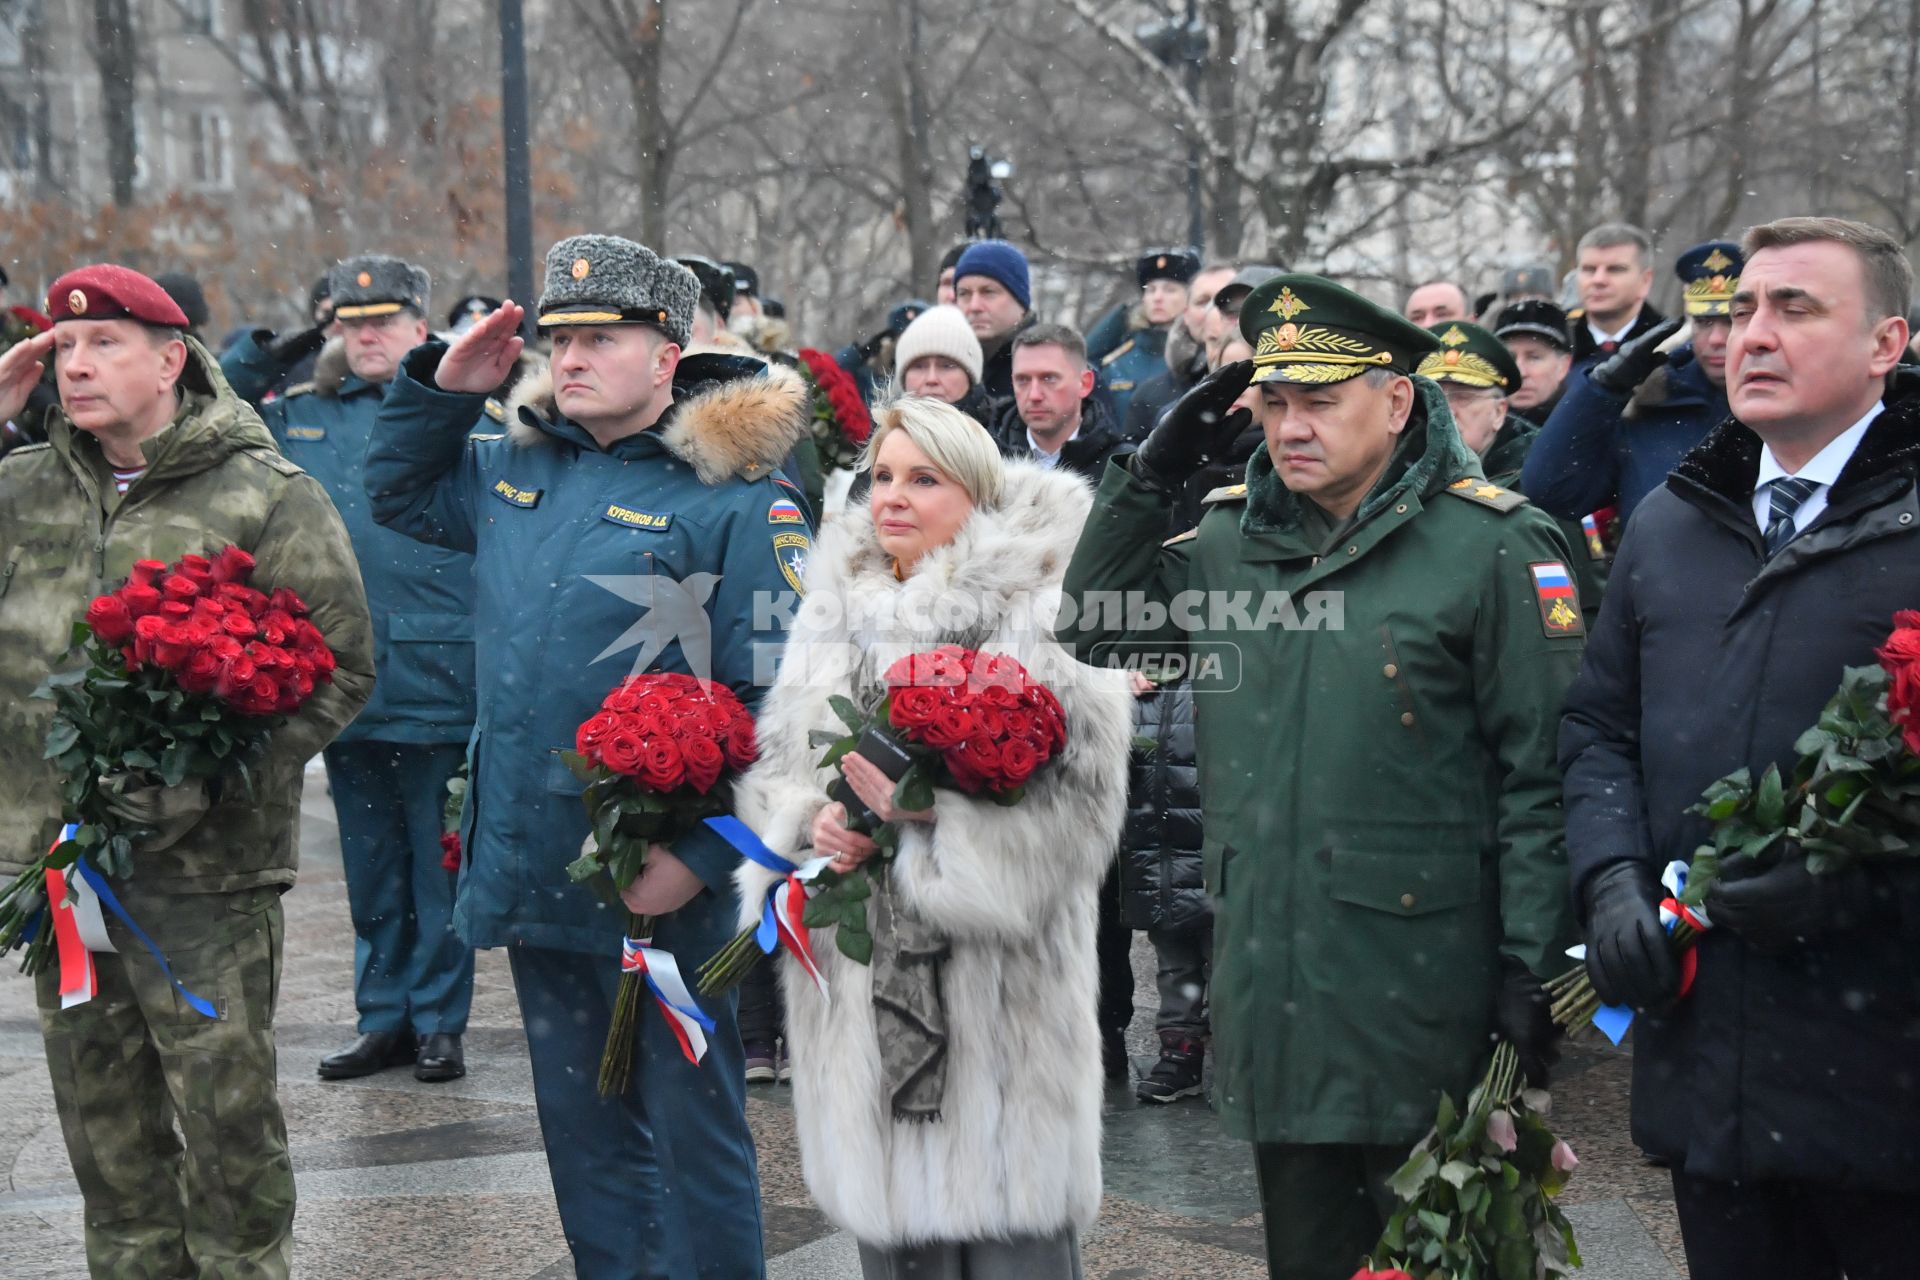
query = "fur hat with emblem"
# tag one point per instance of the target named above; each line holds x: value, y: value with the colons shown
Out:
x: 611, y: 280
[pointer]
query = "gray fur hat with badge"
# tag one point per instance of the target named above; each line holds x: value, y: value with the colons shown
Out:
x: 611, y: 280
x: 375, y: 284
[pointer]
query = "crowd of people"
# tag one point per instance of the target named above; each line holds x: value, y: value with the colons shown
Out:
x: 1430, y: 626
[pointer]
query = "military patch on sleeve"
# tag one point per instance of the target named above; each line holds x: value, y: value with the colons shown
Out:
x: 632, y: 519
x: 496, y: 410
x: 511, y: 493
x: 790, y: 553
x: 1487, y: 494
x: 1225, y: 493
x: 1559, y: 605
x: 784, y: 511
x: 305, y: 433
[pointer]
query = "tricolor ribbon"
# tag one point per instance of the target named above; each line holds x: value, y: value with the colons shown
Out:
x: 783, y: 911
x: 1614, y: 1019
x: 661, y: 972
x: 74, y: 899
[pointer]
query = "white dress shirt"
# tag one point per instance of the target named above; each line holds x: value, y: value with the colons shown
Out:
x: 1046, y: 459
x: 1600, y: 337
x: 1824, y: 468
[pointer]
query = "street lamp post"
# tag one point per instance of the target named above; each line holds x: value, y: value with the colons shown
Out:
x: 1182, y: 42
x: 513, y: 130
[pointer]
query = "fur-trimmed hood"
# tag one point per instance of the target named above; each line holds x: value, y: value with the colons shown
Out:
x: 732, y: 415
x: 1014, y: 890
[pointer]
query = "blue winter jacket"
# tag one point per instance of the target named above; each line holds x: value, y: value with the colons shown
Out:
x: 421, y: 597
x: 671, y: 547
x: 1599, y: 449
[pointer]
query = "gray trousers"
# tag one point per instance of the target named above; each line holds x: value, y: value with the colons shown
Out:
x: 1184, y: 959
x: 1054, y: 1257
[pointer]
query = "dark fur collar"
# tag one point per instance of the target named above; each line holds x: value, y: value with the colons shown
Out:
x: 1727, y: 462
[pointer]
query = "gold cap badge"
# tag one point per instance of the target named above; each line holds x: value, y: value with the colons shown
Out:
x: 1160, y: 262
x: 1453, y: 337
x: 364, y: 279
x: 1717, y: 261
x: 580, y: 268
x: 77, y: 302
x: 1287, y: 306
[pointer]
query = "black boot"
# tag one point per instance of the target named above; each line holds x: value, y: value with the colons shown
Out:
x: 440, y: 1058
x: 1177, y: 1074
x: 1113, y: 1057
x: 373, y: 1051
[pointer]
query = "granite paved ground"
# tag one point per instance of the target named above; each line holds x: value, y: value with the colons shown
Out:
x: 405, y: 1181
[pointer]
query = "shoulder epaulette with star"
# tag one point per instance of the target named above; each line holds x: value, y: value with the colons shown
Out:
x: 1225, y: 493
x: 496, y: 410
x: 1578, y: 313
x: 1487, y: 494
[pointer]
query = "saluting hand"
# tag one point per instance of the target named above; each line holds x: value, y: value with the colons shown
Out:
x: 480, y: 359
x: 20, y: 371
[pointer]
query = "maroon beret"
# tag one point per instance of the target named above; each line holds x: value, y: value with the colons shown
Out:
x: 107, y: 292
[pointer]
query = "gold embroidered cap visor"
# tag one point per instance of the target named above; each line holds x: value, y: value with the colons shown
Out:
x: 1308, y: 330
x: 596, y: 313
x: 1710, y: 297
x: 1470, y: 356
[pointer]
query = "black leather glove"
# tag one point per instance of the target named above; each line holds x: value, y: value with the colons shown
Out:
x: 295, y: 347
x: 1629, y: 956
x: 1787, y: 904
x: 1523, y: 1016
x: 1628, y: 367
x: 1199, y: 425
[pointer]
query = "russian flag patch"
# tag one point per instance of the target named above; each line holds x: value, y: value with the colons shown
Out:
x: 1559, y: 603
x: 785, y: 512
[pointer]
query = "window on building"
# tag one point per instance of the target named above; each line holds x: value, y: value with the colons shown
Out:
x: 210, y: 148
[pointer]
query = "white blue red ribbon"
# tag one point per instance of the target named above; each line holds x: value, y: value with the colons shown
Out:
x: 1614, y: 1019
x: 74, y: 899
x: 661, y: 972
x: 783, y: 910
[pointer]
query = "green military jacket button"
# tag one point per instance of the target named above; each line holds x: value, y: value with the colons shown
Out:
x: 1406, y: 718
x: 1407, y: 900
x: 1389, y: 671
x: 1353, y: 551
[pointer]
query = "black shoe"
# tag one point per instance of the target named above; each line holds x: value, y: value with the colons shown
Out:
x: 440, y: 1058
x: 1113, y: 1057
x: 1177, y: 1074
x: 373, y: 1051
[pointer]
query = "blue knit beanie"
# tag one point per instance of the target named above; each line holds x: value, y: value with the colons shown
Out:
x: 996, y: 260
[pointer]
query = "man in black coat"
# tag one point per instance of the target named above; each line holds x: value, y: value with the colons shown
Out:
x: 1054, y: 417
x: 1783, y: 1088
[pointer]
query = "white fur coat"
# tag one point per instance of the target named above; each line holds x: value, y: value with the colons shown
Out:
x: 1017, y: 1148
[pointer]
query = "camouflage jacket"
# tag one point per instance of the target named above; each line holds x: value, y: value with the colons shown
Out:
x: 213, y: 478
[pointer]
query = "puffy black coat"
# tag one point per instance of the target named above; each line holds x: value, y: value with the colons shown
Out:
x: 1085, y: 455
x: 1802, y: 1064
x: 1161, y: 885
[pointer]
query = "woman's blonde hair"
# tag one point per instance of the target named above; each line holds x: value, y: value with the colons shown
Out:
x: 954, y: 442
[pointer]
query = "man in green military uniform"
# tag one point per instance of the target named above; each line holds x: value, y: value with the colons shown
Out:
x: 1382, y: 812
x: 171, y: 1119
x: 1478, y: 376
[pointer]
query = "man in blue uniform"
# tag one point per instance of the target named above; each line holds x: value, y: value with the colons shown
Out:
x: 629, y: 520
x: 412, y: 976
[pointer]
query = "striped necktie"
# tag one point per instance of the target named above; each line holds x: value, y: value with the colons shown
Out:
x: 1787, y: 495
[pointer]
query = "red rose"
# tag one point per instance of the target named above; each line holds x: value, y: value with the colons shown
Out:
x: 197, y: 568
x: 232, y: 565
x: 286, y: 600
x: 623, y: 698
x: 914, y: 707
x: 992, y: 722
x: 705, y: 763
x: 593, y: 731
x: 261, y: 697
x: 1019, y: 761
x: 176, y: 611
x: 236, y: 674
x: 236, y: 623
x: 742, y: 747
x: 662, y: 767
x: 201, y: 673
x: 146, y: 573
x: 172, y: 648
x: 178, y: 586
x: 141, y: 598
x: 294, y: 692
x: 972, y: 764
x: 275, y: 627
x: 951, y: 725
x: 621, y: 750
x: 450, y: 850
x: 1391, y: 1273
x: 110, y: 619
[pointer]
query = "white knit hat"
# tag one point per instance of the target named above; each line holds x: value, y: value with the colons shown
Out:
x: 939, y: 331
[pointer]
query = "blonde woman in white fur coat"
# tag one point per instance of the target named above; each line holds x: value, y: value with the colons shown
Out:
x: 954, y: 1126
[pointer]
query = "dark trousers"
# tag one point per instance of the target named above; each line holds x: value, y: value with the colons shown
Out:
x: 410, y: 969
x: 1115, y: 948
x: 659, y: 1183
x: 1324, y: 1205
x: 1184, y: 964
x: 1792, y: 1231
x: 763, y: 1018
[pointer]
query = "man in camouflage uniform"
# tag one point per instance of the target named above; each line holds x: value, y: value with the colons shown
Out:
x: 171, y: 1119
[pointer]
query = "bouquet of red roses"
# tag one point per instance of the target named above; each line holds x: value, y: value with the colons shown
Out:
x: 841, y: 423
x: 659, y: 755
x: 975, y: 722
x: 189, y: 667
